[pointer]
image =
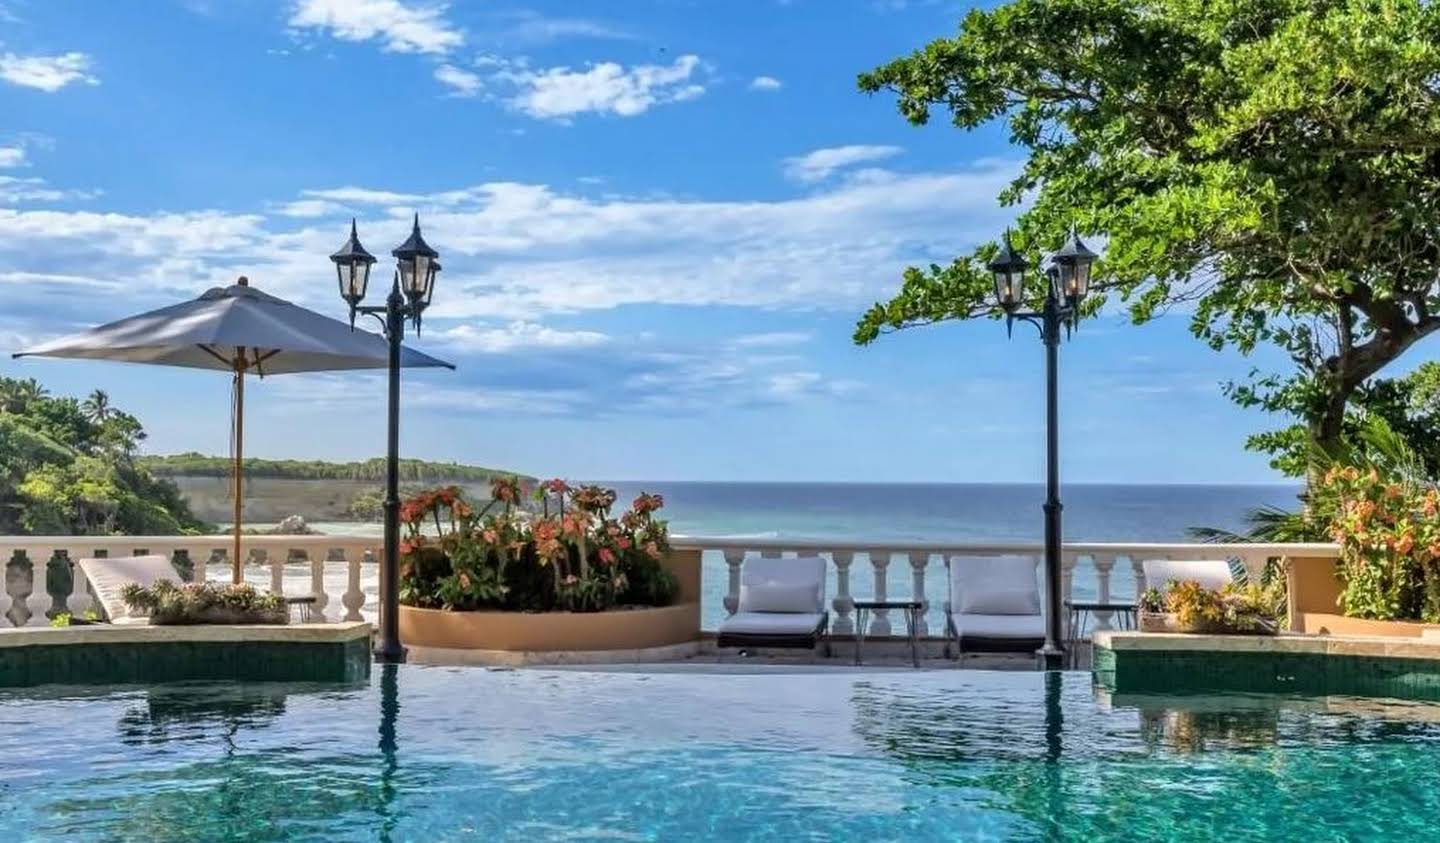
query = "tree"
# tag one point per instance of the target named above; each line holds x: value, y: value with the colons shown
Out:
x: 97, y: 406
x: 1272, y: 164
x: 62, y: 473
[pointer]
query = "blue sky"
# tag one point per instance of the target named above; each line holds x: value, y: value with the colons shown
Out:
x: 658, y: 221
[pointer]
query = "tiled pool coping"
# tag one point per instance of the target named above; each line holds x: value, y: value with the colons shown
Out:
x: 103, y: 654
x: 1140, y: 662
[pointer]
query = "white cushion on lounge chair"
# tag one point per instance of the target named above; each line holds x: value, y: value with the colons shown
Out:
x: 1211, y: 573
x: 771, y: 623
x: 783, y: 585
x: 108, y: 576
x: 994, y: 585
x: 1000, y: 626
x: 777, y: 597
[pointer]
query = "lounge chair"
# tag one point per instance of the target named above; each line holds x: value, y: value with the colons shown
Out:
x: 993, y: 606
x: 782, y: 604
x: 109, y: 575
x: 1211, y: 573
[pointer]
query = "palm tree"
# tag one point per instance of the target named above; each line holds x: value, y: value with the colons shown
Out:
x: 97, y: 406
x: 17, y: 395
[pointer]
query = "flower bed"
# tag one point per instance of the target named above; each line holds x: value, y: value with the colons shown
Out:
x: 205, y: 603
x: 565, y: 553
x: 526, y: 571
x: 1188, y: 606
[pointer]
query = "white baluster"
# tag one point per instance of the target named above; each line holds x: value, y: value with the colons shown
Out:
x: 80, y: 599
x: 843, y: 603
x: 919, y: 562
x: 353, y: 598
x: 6, y: 602
x: 317, y: 585
x: 1103, y: 566
x: 733, y: 559
x: 277, y: 573
x: 1137, y: 564
x: 19, y: 584
x: 1068, y: 563
x: 880, y: 618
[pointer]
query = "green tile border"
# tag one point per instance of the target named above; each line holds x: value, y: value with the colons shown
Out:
x: 1320, y: 674
x: 184, y: 661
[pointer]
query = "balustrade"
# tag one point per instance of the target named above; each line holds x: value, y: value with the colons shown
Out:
x: 39, y: 578
x: 1105, y: 572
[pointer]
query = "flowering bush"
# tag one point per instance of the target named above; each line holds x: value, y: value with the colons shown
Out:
x: 195, y: 603
x: 1388, y: 529
x: 564, y: 552
x: 1238, y: 607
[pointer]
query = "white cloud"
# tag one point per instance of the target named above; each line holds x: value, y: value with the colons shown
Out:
x: 309, y: 208
x: 765, y: 83
x: 462, y: 83
x: 12, y: 156
x: 14, y: 190
x: 523, y: 252
x: 559, y: 93
x: 46, y: 73
x: 529, y: 27
x: 772, y: 339
x: 822, y: 163
x: 402, y: 27
x: 517, y: 336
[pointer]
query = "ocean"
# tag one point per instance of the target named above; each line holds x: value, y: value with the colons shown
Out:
x: 930, y: 512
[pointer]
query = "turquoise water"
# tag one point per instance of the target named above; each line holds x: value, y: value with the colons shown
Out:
x: 430, y: 754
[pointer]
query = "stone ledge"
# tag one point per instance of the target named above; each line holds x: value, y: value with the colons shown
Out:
x: 1337, y: 645
x: 308, y: 633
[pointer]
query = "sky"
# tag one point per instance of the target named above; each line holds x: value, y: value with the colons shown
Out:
x: 658, y: 222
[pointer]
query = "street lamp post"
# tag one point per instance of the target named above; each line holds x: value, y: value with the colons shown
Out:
x: 1069, y: 281
x: 410, y: 292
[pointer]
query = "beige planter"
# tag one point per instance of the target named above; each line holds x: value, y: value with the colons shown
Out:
x: 1159, y: 622
x: 623, y: 629
x: 551, y: 632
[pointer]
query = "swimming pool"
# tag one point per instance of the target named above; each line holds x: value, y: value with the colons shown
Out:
x: 430, y: 754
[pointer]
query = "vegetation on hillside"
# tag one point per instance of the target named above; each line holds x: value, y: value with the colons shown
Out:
x: 68, y: 467
x: 1271, y: 167
x: 414, y: 471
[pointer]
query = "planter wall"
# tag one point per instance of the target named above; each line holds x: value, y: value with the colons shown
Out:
x: 546, y: 632
x: 1314, y: 599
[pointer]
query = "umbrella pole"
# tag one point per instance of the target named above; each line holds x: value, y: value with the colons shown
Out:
x: 237, y: 446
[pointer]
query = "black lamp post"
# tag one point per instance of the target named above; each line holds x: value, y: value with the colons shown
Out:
x: 414, y: 284
x: 1069, y: 281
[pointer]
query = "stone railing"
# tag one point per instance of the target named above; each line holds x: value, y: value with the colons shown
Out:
x: 40, y: 578
x: 1109, y: 572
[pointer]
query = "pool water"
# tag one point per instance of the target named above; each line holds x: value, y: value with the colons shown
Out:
x: 430, y: 754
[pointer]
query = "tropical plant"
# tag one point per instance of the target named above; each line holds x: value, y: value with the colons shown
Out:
x: 1238, y: 607
x: 97, y: 406
x: 1268, y: 165
x: 565, y: 553
x: 198, y: 603
x: 64, y: 472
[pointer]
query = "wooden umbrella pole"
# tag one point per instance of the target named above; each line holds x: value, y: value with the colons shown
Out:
x: 237, y: 447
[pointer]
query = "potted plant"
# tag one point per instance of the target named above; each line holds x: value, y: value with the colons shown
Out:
x: 1236, y: 609
x: 205, y: 603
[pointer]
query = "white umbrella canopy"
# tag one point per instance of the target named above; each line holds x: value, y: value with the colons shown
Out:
x: 235, y: 329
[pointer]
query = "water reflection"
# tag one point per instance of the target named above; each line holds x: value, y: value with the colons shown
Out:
x: 389, y: 748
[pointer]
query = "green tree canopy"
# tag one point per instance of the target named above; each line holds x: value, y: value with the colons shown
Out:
x: 1273, y: 166
x: 66, y: 469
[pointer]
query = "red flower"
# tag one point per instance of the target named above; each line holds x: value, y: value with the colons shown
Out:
x: 607, y: 556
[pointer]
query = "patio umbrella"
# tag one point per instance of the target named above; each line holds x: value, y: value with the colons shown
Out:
x: 236, y: 329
